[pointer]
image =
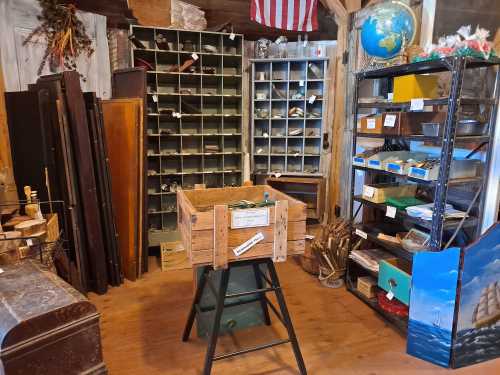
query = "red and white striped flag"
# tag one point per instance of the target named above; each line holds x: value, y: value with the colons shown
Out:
x: 294, y: 15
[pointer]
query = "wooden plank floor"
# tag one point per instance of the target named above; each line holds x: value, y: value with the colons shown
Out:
x: 142, y: 324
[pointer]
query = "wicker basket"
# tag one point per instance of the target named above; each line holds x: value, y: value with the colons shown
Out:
x: 331, y: 279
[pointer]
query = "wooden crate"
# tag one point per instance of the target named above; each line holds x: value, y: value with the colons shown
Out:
x: 173, y: 256
x: 378, y: 193
x: 204, y: 221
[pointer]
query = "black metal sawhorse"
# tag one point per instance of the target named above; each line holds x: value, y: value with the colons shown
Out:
x: 264, y: 284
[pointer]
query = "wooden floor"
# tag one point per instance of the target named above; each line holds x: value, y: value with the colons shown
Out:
x: 142, y: 324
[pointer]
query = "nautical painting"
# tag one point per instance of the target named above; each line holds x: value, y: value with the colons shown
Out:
x: 432, y: 305
x: 478, y: 325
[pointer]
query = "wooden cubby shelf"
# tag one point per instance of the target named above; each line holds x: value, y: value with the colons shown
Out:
x: 287, y: 115
x: 194, y: 114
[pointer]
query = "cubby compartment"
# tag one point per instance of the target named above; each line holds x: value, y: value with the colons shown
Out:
x: 190, y: 180
x: 315, y: 88
x: 166, y: 40
x: 192, y: 164
x: 191, y: 125
x: 232, y: 179
x: 212, y: 144
x: 154, y: 203
x: 279, y: 90
x: 189, y: 64
x: 315, y: 70
x: 168, y: 125
x: 189, y: 41
x: 213, y: 180
x: 262, y: 71
x: 145, y: 37
x: 261, y: 91
x: 151, y: 84
x: 211, y: 43
x: 154, y: 222
x: 152, y: 104
x: 232, y: 126
x: 278, y: 146
x: 232, y: 65
x: 294, y: 164
x: 295, y: 128
x: 191, y: 145
x: 169, y: 221
x: 232, y: 44
x: 232, y: 144
x: 298, y: 70
x: 314, y: 110
x: 152, y: 125
x: 167, y: 62
x: 153, y: 146
x: 154, y: 185
x: 190, y: 85
x: 167, y: 104
x: 212, y: 125
x: 297, y: 91
x: 231, y: 86
x: 167, y: 84
x: 232, y: 163
x: 311, y: 164
x: 261, y: 146
x: 262, y: 110
x: 261, y: 164
x: 279, y: 71
x: 168, y: 203
x: 212, y: 163
x: 191, y: 105
x: 278, y: 128
x: 295, y: 146
x: 171, y: 165
x: 296, y: 109
x: 312, y: 146
x: 278, y: 110
x: 153, y: 166
x: 313, y: 128
x: 232, y: 106
x: 211, y: 64
x: 277, y: 164
x: 170, y: 145
x: 261, y: 128
x: 211, y: 85
x: 212, y: 105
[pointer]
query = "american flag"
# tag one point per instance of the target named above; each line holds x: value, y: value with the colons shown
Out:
x: 294, y: 15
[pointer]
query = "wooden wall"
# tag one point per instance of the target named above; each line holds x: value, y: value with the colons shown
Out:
x: 151, y: 12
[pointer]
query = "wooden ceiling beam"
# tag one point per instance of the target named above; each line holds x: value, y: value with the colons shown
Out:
x: 335, y: 6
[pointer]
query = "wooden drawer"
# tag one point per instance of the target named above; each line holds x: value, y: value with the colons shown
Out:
x: 395, y: 276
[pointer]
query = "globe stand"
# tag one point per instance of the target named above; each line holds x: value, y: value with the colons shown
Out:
x: 372, y: 63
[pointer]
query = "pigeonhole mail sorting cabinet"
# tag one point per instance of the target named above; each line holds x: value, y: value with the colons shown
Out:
x: 211, y: 231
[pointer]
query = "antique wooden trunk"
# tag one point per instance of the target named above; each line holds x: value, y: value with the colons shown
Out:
x: 46, y: 326
x: 211, y: 230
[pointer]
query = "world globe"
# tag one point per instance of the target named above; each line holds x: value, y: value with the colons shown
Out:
x: 387, y: 29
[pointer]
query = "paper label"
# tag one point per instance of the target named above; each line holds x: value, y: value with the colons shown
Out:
x: 194, y: 56
x: 390, y: 121
x: 29, y: 242
x: 417, y: 104
x: 359, y: 160
x: 390, y: 295
x: 370, y: 123
x: 374, y: 163
x: 232, y: 36
x: 360, y: 233
x: 1, y: 270
x: 245, y: 246
x: 368, y: 191
x: 391, y: 212
x: 301, y: 83
x: 249, y: 218
x: 155, y: 98
x: 312, y: 98
x: 390, y: 96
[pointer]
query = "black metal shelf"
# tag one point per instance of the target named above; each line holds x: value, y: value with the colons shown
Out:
x: 425, y: 138
x: 405, y: 106
x: 371, y: 235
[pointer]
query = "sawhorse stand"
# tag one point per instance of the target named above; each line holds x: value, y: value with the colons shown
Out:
x: 264, y: 284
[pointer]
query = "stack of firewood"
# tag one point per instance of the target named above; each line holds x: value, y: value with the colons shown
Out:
x: 332, y: 251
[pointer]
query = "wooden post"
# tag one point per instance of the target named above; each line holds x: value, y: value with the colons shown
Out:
x: 280, y: 231
x: 221, y: 217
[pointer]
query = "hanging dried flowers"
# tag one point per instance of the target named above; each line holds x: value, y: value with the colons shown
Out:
x: 65, y: 35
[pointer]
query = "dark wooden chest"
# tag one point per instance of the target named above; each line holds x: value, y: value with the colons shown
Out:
x: 46, y: 326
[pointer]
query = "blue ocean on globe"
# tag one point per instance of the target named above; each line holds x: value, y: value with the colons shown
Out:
x: 383, y: 32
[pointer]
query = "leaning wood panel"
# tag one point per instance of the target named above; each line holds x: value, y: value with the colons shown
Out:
x: 221, y: 216
x: 123, y: 127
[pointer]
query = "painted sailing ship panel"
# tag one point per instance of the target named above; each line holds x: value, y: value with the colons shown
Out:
x: 432, y: 305
x: 478, y: 326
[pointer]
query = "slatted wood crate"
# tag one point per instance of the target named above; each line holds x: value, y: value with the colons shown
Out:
x: 205, y: 223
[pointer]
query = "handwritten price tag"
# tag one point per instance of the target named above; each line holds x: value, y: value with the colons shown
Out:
x: 391, y: 212
x: 390, y: 121
x: 368, y: 191
x: 232, y: 36
x: 194, y: 56
x: 370, y: 123
x: 301, y: 83
x: 417, y: 104
x: 312, y: 98
x: 390, y: 296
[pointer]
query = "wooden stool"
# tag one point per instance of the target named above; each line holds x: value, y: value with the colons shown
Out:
x: 264, y: 284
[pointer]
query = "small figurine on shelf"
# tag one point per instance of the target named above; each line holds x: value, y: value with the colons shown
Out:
x: 161, y: 42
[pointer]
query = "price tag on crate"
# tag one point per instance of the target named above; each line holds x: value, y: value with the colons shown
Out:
x: 360, y: 233
x: 368, y: 191
x: 390, y: 296
x: 250, y: 218
x: 370, y: 123
x: 390, y: 121
x: 194, y: 56
x: 301, y: 83
x: 417, y: 104
x: 391, y: 212
x: 312, y: 98
x: 155, y: 98
x: 232, y: 36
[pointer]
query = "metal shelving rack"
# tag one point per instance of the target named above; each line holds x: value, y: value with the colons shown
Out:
x: 475, y: 187
x: 186, y: 112
x: 274, y: 148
